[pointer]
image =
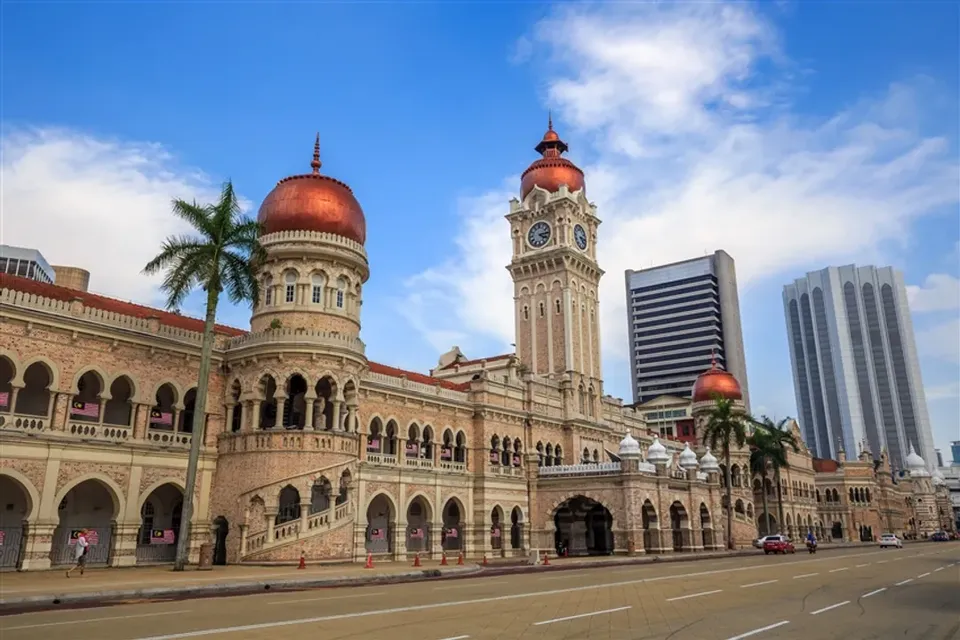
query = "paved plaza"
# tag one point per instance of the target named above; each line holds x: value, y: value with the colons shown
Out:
x: 852, y: 594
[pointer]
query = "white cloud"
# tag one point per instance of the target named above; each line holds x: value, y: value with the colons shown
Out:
x: 947, y: 391
x: 939, y: 292
x: 941, y: 341
x: 693, y: 147
x: 70, y: 194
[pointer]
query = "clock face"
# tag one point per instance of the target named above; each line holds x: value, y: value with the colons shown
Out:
x: 539, y: 234
x: 580, y: 235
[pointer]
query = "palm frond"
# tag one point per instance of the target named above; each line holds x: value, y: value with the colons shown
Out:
x: 197, y: 216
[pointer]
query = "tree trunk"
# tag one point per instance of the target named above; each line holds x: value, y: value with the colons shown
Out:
x: 779, y: 499
x: 199, y: 426
x: 763, y: 493
x: 726, y: 473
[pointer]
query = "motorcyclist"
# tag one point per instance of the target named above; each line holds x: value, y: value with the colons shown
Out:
x: 811, y: 539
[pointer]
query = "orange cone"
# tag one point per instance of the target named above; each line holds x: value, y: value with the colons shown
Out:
x: 303, y: 562
x: 416, y: 560
x: 546, y: 560
x: 460, y: 559
x: 369, y: 564
x: 484, y: 559
x: 443, y: 559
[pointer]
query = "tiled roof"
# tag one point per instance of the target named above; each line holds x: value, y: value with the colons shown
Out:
x: 413, y: 376
x: 825, y: 465
x: 104, y: 303
x: 502, y: 356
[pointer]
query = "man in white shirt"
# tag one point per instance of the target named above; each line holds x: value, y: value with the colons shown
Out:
x: 80, y: 552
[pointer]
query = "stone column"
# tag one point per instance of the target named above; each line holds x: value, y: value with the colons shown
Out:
x: 308, y: 409
x: 255, y: 416
x: 335, y: 416
x: 103, y: 408
x: 141, y: 421
x: 124, y: 544
x: 14, y: 392
x: 228, y: 427
x: 305, y: 515
x: 60, y: 411
x: 351, y: 425
x: 435, y: 545
x: 37, y: 544
x: 271, y: 517
x: 281, y: 405
x: 244, y: 531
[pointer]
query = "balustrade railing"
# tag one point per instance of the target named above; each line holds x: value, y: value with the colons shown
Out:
x: 94, y: 431
x: 602, y: 468
x: 168, y: 438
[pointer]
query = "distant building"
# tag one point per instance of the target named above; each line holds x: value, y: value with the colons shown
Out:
x: 939, y: 458
x: 955, y: 452
x: 670, y: 417
x: 27, y: 263
x: 854, y: 360
x: 680, y: 315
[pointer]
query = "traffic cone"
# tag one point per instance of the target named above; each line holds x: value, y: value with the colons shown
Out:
x: 303, y: 562
x: 484, y: 560
x: 416, y: 560
x: 460, y: 559
x: 546, y: 559
x: 443, y: 559
x: 369, y: 564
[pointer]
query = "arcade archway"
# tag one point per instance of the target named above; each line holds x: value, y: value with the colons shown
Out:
x: 13, y: 518
x: 680, y: 526
x: 160, y: 518
x: 380, y: 523
x: 91, y: 505
x: 583, y: 527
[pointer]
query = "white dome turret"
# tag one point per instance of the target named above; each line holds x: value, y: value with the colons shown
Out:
x: 629, y: 447
x: 938, y: 478
x: 688, y: 459
x: 915, y: 464
x: 657, y: 453
x: 708, y: 462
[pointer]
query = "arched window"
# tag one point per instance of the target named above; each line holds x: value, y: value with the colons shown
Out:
x: 267, y: 291
x: 290, y: 287
x: 557, y: 302
x: 316, y: 294
x: 341, y: 292
x: 526, y: 313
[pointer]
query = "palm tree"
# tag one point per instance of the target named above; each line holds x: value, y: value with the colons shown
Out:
x: 780, y: 439
x: 221, y: 256
x: 760, y: 444
x: 726, y: 428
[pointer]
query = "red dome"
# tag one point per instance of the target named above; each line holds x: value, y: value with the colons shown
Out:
x: 552, y: 170
x: 716, y: 382
x: 313, y: 202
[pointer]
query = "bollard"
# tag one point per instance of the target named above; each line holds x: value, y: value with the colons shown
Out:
x: 369, y: 564
x: 416, y: 560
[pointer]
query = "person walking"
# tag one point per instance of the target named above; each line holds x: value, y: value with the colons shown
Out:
x: 80, y: 552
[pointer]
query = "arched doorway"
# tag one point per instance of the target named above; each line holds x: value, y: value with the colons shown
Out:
x: 583, y: 527
x: 679, y: 525
x: 160, y: 525
x: 836, y: 531
x: 90, y: 505
x: 516, y: 528
x: 496, y: 529
x: 452, y: 533
x: 380, y: 519
x: 221, y: 529
x: 706, y: 524
x: 419, y: 517
x: 14, y: 511
x: 762, y: 529
x: 651, y: 527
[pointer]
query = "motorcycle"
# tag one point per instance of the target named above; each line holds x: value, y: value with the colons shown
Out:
x: 811, y: 546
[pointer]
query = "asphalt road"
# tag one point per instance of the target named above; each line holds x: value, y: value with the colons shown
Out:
x: 855, y: 594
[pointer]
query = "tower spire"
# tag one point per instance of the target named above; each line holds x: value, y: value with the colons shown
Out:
x: 549, y: 120
x: 316, y: 155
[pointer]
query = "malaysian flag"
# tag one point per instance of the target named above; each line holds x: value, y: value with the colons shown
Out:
x: 160, y: 417
x: 161, y: 536
x: 452, y: 532
x: 373, y: 443
x: 4, y: 399
x: 87, y: 409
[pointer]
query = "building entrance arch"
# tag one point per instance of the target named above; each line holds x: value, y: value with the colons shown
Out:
x: 13, y: 517
x: 583, y: 527
x: 679, y: 525
x: 381, y: 517
x: 451, y: 536
x: 91, y: 505
x: 419, y: 523
x: 160, y: 516
x: 221, y: 528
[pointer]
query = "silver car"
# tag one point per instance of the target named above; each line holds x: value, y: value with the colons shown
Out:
x: 890, y: 540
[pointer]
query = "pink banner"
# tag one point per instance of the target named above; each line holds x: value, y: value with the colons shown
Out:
x: 160, y: 417
x: 4, y: 399
x: 86, y: 409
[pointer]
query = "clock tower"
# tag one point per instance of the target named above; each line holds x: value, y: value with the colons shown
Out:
x: 555, y: 273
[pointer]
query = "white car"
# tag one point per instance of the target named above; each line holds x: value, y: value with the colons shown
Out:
x: 758, y: 543
x: 890, y: 540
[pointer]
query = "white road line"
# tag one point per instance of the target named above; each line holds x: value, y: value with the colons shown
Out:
x: 900, y: 584
x: 695, y: 595
x: 873, y: 593
x: 860, y: 566
x: 840, y: 569
x: 884, y: 561
x: 938, y: 569
x: 356, y: 595
x: 457, y: 638
x: 582, y: 615
x: 85, y: 620
x: 760, y: 630
x: 805, y: 575
x: 833, y: 606
x: 468, y: 586
x: 757, y: 584
x: 923, y: 575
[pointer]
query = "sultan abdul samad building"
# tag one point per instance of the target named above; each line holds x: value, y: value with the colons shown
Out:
x: 311, y: 447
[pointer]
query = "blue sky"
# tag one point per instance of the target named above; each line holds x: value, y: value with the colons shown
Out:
x: 700, y: 126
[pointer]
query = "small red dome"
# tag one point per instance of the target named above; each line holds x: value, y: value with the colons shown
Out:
x: 313, y: 202
x: 552, y: 170
x: 716, y: 382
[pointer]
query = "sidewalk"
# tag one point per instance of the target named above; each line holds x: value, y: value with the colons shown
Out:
x: 38, y: 590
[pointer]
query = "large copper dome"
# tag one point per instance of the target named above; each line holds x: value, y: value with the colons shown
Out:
x: 313, y: 202
x: 716, y: 382
x: 552, y: 170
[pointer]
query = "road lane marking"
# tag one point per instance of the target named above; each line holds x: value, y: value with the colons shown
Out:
x: 923, y: 575
x: 860, y: 566
x: 805, y: 575
x: 695, y: 595
x: 85, y: 620
x: 840, y: 569
x: 582, y: 615
x: 873, y: 593
x: 760, y: 630
x: 468, y: 586
x: 833, y: 606
x: 938, y: 569
x: 457, y: 638
x: 884, y: 561
x: 318, y: 599
x: 900, y: 584
x: 757, y: 584
x: 439, y: 605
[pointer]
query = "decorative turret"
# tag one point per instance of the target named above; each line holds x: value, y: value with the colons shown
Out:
x: 657, y: 453
x: 629, y: 447
x: 688, y: 459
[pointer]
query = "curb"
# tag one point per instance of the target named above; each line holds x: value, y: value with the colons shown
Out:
x: 9, y: 606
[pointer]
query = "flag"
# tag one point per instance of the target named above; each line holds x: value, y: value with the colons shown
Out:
x: 446, y: 453
x: 87, y: 409
x: 162, y: 536
x: 4, y: 399
x: 373, y: 443
x: 160, y: 417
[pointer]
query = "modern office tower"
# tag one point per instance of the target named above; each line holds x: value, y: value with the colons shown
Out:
x: 955, y: 452
x: 28, y: 263
x: 680, y: 316
x: 854, y: 360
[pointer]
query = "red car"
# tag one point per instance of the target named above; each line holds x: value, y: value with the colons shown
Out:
x: 772, y: 545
